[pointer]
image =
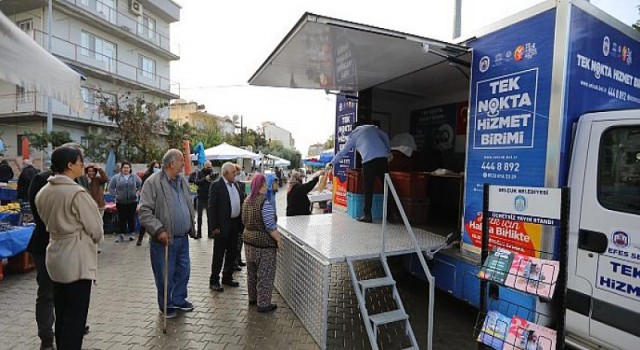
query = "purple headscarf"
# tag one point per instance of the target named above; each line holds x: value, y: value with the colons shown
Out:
x: 256, y: 184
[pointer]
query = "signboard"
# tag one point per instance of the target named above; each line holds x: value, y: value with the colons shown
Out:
x: 433, y: 128
x: 508, y: 120
x: 536, y: 205
x: 345, y: 118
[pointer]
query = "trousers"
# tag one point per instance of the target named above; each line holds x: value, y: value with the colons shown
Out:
x: 225, y: 248
x: 179, y: 270
x: 71, y: 302
x: 375, y: 168
x: 44, y: 299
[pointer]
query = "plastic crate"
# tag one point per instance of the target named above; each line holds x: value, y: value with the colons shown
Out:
x: 410, y: 185
x: 355, y: 205
x: 355, y: 182
x: 21, y: 263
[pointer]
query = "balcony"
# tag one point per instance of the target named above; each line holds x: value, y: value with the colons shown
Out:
x: 123, y: 24
x: 33, y: 103
x: 105, y: 67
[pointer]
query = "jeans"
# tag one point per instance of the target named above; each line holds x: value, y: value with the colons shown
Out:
x: 179, y: 270
x: 376, y: 167
x: 72, y: 306
x: 44, y: 300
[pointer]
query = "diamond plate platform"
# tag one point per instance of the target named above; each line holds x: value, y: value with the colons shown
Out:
x: 334, y: 237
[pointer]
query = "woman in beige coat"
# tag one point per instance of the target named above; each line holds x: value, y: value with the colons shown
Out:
x: 75, y: 226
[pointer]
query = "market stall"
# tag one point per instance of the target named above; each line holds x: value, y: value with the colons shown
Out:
x: 13, y: 243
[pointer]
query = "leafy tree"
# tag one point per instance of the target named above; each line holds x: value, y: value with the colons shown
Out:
x: 210, y: 136
x: 177, y: 132
x: 40, y: 141
x: 330, y: 143
x: 138, y: 125
x: 98, y: 146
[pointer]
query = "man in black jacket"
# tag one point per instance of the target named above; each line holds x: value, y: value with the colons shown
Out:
x: 24, y: 179
x: 225, y: 224
x: 6, y: 173
x: 203, y: 180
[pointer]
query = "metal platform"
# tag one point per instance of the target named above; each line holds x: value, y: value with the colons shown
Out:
x: 311, y: 269
x: 334, y: 237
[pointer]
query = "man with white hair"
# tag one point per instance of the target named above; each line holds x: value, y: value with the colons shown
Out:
x: 167, y: 213
x: 225, y: 224
x: 24, y: 179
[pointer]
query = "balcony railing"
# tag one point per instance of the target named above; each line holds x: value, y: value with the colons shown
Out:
x: 124, y: 22
x: 33, y: 102
x: 64, y: 48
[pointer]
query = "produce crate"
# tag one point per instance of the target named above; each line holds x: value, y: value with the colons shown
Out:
x: 410, y: 185
x: 416, y: 210
x: 21, y: 263
x: 355, y: 183
x: 355, y: 205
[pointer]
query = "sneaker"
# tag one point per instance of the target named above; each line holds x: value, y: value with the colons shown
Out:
x: 132, y: 237
x: 216, y: 286
x: 171, y: 312
x: 186, y: 307
x: 120, y: 238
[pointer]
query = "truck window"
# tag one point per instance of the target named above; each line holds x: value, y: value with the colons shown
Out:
x: 619, y: 169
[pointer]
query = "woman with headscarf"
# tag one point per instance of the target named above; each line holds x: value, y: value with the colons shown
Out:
x: 75, y: 226
x: 297, y: 200
x: 261, y: 239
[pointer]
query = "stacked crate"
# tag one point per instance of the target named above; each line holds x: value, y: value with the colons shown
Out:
x: 412, y: 190
x: 355, y: 195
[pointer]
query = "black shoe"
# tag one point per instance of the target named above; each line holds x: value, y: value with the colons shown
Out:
x: 242, y: 263
x: 186, y: 307
x: 267, y: 308
x: 86, y: 330
x: 198, y: 237
x: 231, y: 283
x: 237, y: 268
x: 365, y: 218
x: 216, y: 286
x: 46, y: 344
x: 139, y: 242
x: 253, y: 302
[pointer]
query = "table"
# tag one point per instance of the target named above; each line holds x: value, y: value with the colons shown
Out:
x: 319, y: 197
x: 8, y: 194
x: 15, y: 241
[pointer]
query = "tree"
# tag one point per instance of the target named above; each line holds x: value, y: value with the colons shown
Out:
x: 138, y: 125
x: 176, y: 133
x: 330, y: 143
x: 41, y: 141
x: 97, y: 150
x: 210, y: 136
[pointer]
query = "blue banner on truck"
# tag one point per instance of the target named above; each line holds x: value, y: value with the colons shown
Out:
x: 602, y: 74
x: 508, y: 121
x: 345, y: 118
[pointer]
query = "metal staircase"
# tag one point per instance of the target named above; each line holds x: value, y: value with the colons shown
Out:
x: 372, y: 322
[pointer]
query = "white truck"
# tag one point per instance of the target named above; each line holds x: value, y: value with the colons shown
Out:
x: 549, y: 97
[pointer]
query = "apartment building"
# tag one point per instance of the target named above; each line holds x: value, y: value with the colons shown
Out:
x: 194, y: 114
x: 273, y: 132
x: 119, y: 46
x: 315, y: 149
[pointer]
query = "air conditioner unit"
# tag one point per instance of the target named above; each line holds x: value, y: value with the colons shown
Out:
x: 135, y: 7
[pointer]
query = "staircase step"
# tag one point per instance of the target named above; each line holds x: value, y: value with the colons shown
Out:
x: 388, y: 317
x: 377, y: 282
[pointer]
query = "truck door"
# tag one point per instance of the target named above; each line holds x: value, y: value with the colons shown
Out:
x: 608, y: 254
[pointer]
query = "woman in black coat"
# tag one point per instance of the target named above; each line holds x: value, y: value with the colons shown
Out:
x: 297, y: 200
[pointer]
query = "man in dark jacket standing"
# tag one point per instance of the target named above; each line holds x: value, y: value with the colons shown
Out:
x: 24, y: 179
x: 6, y: 173
x: 203, y: 180
x: 224, y: 213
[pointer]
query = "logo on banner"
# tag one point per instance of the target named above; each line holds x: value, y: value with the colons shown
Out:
x: 485, y: 62
x: 520, y: 203
x: 620, y: 239
x: 518, y: 53
x: 606, y: 46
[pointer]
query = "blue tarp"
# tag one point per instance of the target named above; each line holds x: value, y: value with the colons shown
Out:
x: 15, y: 241
x: 111, y: 164
x: 198, y: 149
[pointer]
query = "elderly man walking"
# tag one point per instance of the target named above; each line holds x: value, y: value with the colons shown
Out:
x: 223, y: 211
x: 167, y: 213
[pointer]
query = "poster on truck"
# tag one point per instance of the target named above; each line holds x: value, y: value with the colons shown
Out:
x: 508, y: 121
x: 345, y: 118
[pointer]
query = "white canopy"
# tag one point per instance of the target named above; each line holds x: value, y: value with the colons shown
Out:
x: 226, y: 151
x: 27, y: 64
x: 277, y: 161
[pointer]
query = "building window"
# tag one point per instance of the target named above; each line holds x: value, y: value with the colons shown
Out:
x: 22, y: 95
x: 26, y: 26
x: 104, y: 8
x: 88, y: 97
x: 147, y: 66
x: 98, y: 48
x: 84, y: 142
x: 147, y: 27
x: 19, y: 148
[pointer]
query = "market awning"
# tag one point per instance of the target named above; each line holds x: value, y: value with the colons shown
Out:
x: 331, y: 54
x: 27, y: 64
x: 226, y: 151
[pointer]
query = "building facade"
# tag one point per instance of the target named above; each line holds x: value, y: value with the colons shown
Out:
x: 315, y: 149
x: 194, y: 114
x: 273, y: 132
x: 119, y: 46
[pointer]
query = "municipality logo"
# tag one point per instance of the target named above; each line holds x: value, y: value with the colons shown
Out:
x: 484, y: 64
x: 606, y: 46
x: 520, y: 203
x: 620, y: 239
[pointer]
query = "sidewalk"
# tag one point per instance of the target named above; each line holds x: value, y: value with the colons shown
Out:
x: 124, y: 315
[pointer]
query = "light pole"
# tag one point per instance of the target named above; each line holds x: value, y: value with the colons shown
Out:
x: 49, y: 101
